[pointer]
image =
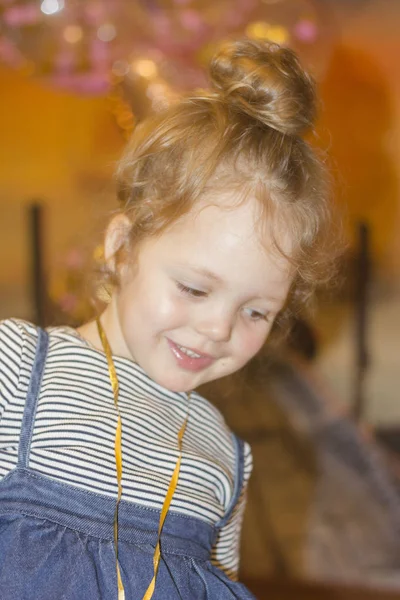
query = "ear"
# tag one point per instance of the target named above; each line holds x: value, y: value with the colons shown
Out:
x: 115, y: 237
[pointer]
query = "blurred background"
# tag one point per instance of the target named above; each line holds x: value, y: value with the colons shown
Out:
x: 323, y: 417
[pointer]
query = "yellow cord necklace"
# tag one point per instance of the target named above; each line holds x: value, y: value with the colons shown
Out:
x: 118, y: 462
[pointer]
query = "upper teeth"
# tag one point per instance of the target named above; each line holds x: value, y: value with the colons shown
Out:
x: 189, y: 352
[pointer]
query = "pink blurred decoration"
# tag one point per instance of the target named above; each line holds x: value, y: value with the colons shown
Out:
x: 307, y: 25
x: 177, y: 34
x: 63, y: 48
x: 306, y: 31
x: 74, y: 259
x: 68, y: 302
x: 99, y: 54
x: 161, y: 24
x: 64, y: 62
x: 25, y: 14
x: 94, y: 83
x: 94, y: 13
x: 244, y: 6
x: 9, y: 53
x: 180, y: 27
x: 192, y: 21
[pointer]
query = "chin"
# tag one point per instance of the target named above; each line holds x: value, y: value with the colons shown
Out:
x: 173, y: 383
x: 186, y: 384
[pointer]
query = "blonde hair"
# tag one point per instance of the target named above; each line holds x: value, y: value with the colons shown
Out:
x: 246, y: 136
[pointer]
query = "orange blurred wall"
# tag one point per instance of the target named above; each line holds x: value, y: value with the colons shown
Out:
x: 61, y: 149
x: 361, y: 127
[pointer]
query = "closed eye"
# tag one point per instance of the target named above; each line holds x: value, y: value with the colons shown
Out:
x: 191, y: 291
x: 255, y: 315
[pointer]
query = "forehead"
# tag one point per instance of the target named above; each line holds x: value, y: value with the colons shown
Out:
x: 224, y: 239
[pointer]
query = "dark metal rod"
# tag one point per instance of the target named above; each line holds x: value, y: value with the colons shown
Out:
x: 362, y: 278
x: 38, y: 283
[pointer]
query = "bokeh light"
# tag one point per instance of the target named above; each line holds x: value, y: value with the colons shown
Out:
x: 150, y: 51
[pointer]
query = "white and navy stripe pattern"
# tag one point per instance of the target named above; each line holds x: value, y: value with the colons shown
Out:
x: 73, y: 435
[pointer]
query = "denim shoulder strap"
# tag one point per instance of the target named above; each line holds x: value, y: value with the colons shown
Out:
x: 32, y: 398
x: 238, y: 481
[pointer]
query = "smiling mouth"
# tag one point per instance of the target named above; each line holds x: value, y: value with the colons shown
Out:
x: 189, y: 352
x: 192, y: 353
x: 188, y: 358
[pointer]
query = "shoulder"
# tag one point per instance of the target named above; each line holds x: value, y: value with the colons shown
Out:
x: 210, y: 419
x: 18, y: 339
x: 213, y: 419
x: 17, y: 351
x: 16, y: 335
x: 208, y: 411
x: 64, y: 336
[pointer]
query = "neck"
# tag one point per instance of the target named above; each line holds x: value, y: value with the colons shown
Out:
x: 110, y: 322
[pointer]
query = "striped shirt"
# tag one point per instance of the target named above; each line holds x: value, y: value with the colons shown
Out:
x: 74, y: 430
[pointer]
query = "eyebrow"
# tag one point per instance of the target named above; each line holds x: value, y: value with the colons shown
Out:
x: 207, y: 273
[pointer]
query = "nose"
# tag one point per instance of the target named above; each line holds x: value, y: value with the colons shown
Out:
x: 217, y: 328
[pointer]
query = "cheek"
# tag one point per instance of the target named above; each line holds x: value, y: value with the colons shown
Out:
x: 251, y: 340
x: 167, y: 310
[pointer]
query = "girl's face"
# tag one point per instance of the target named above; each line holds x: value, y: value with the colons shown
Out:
x: 201, y: 300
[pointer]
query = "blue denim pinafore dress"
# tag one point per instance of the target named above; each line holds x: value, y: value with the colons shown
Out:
x: 57, y: 541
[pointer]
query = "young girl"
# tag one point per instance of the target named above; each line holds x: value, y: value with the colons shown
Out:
x: 117, y: 480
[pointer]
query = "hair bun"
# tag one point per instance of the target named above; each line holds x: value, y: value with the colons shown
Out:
x: 266, y: 82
